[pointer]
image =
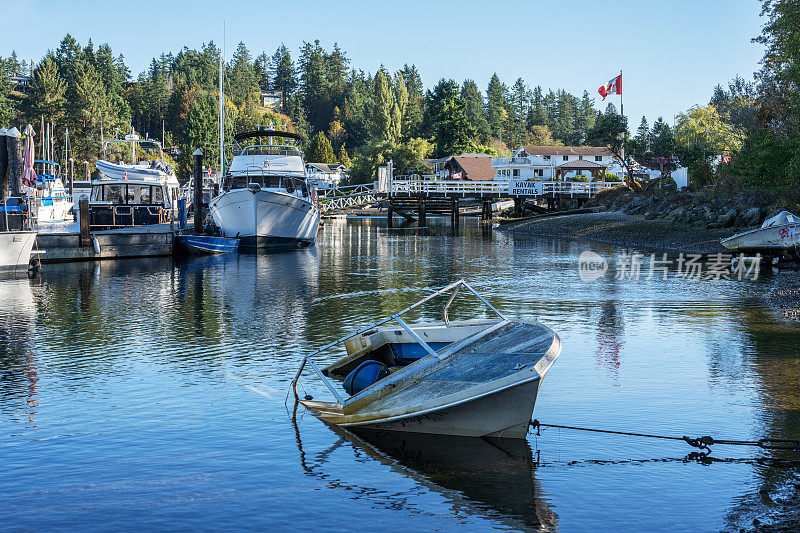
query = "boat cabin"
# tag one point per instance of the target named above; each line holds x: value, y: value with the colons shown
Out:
x: 120, y: 203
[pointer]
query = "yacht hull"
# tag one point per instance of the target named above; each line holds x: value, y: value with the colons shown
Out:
x: 265, y: 218
x: 15, y: 250
x: 56, y: 211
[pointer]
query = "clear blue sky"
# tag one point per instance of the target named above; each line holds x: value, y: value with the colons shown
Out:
x: 672, y: 52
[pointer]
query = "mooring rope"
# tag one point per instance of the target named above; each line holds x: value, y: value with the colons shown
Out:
x: 700, y: 442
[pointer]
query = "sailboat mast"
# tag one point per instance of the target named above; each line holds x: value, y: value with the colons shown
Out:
x: 222, y: 107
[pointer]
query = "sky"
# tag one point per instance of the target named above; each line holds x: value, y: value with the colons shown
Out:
x: 672, y: 53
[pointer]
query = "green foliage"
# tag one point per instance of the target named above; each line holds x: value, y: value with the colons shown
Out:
x: 320, y: 150
x: 47, y: 91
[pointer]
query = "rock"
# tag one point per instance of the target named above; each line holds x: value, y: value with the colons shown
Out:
x: 752, y: 216
x: 727, y: 219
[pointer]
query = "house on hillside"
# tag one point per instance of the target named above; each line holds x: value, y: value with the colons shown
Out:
x: 473, y: 167
x: 271, y: 99
x: 324, y: 175
x: 556, y: 163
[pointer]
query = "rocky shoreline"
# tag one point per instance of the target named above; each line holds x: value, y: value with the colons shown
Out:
x: 622, y: 229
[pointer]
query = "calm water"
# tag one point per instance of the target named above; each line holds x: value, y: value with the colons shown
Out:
x: 151, y: 392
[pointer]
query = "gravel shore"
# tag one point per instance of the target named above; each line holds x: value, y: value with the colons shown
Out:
x: 626, y: 230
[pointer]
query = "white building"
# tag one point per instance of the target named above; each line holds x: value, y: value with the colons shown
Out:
x: 542, y: 162
x: 325, y: 176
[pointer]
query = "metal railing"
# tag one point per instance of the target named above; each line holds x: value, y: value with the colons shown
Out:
x: 494, y: 188
x: 338, y: 198
x: 396, y: 317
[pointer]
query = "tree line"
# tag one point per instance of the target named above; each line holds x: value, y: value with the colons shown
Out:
x: 344, y: 114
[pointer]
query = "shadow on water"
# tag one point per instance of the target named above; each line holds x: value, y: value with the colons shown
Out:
x: 488, y: 478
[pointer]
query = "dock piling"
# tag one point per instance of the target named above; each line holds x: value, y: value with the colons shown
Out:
x: 198, y: 191
x: 83, y: 217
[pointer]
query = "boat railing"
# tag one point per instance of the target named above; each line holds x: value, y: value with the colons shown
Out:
x: 455, y: 287
x: 17, y: 209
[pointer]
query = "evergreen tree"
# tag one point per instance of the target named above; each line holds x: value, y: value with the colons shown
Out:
x: 283, y: 77
x: 496, y: 112
x: 412, y: 119
x: 343, y: 157
x: 454, y: 133
x: 320, y: 150
x: 311, y: 65
x: 474, y: 108
x: 261, y: 68
x: 47, y: 94
x: 241, y: 79
x: 382, y: 111
x: 400, y: 94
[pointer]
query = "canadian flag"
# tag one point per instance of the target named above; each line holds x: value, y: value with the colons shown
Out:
x: 614, y: 86
x: 126, y: 175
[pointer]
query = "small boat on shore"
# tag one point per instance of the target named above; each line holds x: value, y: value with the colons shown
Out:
x: 472, y: 378
x: 17, y: 238
x: 777, y: 235
x: 50, y: 201
x: 206, y: 244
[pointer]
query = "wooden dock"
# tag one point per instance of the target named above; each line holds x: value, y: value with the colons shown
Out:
x: 138, y: 241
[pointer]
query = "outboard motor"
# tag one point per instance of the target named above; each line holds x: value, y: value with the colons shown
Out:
x: 364, y: 375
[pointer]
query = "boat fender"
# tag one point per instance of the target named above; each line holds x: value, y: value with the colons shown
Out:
x: 364, y: 375
x: 96, y: 245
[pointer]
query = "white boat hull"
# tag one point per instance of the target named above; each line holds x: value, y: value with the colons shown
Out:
x: 265, y: 218
x: 15, y: 250
x: 773, y: 239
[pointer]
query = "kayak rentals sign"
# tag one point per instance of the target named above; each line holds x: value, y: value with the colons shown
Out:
x: 524, y: 188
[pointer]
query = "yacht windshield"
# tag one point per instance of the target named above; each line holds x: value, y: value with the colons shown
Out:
x: 132, y: 151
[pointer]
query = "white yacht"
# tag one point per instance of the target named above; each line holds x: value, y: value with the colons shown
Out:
x: 266, y: 199
x: 146, y: 160
x: 50, y: 201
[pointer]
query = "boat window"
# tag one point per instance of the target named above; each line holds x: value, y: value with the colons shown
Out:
x: 130, y: 197
x: 97, y: 193
x: 158, y: 195
x: 113, y: 194
x: 144, y: 195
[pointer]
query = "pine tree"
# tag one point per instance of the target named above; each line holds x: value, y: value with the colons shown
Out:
x: 320, y: 150
x: 400, y: 94
x: 474, y: 108
x: 496, y: 112
x: 283, y: 77
x: 47, y: 95
x: 241, y: 79
x: 344, y: 159
x: 261, y: 68
x: 454, y: 133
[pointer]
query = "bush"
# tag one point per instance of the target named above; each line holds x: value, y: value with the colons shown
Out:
x: 581, y: 177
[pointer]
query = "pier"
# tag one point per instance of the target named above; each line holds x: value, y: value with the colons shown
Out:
x: 414, y: 199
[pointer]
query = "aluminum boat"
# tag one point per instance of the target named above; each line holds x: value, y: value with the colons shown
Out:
x: 473, y: 378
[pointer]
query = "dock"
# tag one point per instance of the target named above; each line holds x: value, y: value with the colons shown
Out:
x: 137, y: 241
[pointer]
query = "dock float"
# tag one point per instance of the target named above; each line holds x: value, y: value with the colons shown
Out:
x: 137, y: 241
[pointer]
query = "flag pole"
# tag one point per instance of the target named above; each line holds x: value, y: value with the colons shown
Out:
x: 622, y: 114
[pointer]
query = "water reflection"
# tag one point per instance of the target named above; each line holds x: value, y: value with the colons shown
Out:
x: 488, y: 478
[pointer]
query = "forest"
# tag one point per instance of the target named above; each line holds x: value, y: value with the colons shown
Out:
x: 746, y: 136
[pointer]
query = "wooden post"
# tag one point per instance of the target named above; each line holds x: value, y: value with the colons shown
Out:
x: 83, y: 217
x: 421, y: 210
x: 455, y: 213
x: 518, y: 207
x: 14, y: 161
x: 3, y: 165
x: 71, y: 175
x: 198, y: 191
x: 390, y: 214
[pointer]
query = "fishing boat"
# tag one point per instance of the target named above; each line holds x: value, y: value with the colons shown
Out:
x: 145, y: 160
x: 777, y: 235
x: 471, y: 379
x: 266, y: 198
x: 50, y: 201
x: 206, y: 244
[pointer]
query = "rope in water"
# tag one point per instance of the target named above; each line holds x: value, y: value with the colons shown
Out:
x: 700, y: 442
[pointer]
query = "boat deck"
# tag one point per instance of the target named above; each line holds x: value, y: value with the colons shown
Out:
x: 509, y: 349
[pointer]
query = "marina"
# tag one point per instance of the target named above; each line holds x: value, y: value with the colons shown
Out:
x: 264, y: 269
x: 188, y: 362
